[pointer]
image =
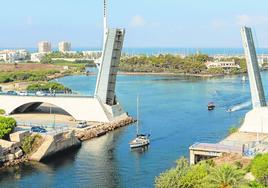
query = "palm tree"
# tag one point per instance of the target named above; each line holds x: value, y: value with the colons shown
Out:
x: 226, y: 176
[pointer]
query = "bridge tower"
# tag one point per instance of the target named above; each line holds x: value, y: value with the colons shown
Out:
x: 256, y: 88
x: 256, y: 120
x: 105, y: 86
x: 111, y: 53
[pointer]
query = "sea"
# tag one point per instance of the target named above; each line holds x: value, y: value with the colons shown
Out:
x: 163, y: 50
x: 173, y: 109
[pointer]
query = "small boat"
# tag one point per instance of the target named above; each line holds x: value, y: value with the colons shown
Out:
x: 229, y: 110
x: 141, y: 140
x: 211, y: 106
x: 244, y: 79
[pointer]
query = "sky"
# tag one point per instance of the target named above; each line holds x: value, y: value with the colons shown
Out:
x: 148, y: 23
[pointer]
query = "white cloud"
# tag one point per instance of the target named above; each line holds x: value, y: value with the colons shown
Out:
x: 243, y: 19
x: 137, y: 21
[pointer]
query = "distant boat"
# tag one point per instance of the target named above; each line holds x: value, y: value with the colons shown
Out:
x: 229, y: 110
x: 141, y: 140
x: 211, y: 106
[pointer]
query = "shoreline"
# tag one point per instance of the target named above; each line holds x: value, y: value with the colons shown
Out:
x: 83, y: 135
x: 24, y: 84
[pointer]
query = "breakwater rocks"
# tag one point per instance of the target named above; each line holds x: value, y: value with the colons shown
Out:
x: 102, y: 128
x: 14, y: 162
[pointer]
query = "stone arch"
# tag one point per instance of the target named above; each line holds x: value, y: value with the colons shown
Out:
x: 29, y: 106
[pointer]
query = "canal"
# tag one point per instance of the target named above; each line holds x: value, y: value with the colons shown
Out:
x: 172, y: 109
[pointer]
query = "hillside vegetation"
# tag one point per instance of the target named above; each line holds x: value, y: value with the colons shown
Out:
x: 192, y: 64
x: 208, y: 174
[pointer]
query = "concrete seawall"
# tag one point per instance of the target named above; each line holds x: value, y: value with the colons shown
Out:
x: 55, y: 143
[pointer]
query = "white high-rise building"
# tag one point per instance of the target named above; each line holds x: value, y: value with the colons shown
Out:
x: 44, y: 47
x: 64, y: 46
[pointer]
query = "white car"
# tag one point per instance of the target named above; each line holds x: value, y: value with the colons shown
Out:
x: 81, y: 124
x: 40, y: 93
x: 23, y: 93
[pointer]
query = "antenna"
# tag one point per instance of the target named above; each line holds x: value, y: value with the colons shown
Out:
x: 105, y: 19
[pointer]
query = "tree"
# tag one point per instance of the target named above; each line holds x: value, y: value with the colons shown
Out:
x: 2, y: 111
x: 184, y: 176
x: 48, y: 86
x: 225, y: 176
x: 171, y: 178
x: 46, y: 59
x: 7, y: 125
x: 196, y: 176
x: 259, y: 168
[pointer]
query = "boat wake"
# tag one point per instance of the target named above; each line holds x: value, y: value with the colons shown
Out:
x: 240, y: 106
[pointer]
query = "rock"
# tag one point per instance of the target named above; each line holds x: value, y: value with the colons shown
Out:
x: 18, y: 136
x: 18, y: 153
x: 10, y: 157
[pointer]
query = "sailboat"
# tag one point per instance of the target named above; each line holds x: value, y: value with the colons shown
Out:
x: 141, y: 140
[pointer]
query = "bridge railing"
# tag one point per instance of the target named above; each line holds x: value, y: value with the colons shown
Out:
x: 74, y: 95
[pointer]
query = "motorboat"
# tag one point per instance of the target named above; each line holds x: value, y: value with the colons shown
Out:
x: 211, y: 106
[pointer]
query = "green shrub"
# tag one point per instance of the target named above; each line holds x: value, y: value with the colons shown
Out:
x: 259, y: 168
x: 184, y: 175
x: 233, y: 130
x: 36, y: 75
x: 7, y: 125
x: 29, y: 143
x: 2, y: 112
x: 171, y: 178
x: 202, y: 175
x: 47, y: 87
x: 218, y: 70
x: 196, y: 176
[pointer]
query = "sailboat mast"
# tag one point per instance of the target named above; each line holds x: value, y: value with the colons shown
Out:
x: 137, y: 127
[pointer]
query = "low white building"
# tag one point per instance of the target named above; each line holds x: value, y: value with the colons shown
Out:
x: 222, y: 64
x: 92, y: 55
x: 13, y: 55
x: 36, y: 57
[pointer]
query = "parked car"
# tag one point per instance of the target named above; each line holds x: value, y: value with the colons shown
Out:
x: 40, y: 93
x: 81, y: 124
x: 37, y: 129
x: 23, y: 93
x: 12, y: 93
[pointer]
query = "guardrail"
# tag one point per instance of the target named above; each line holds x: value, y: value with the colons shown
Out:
x: 58, y: 128
x: 48, y: 95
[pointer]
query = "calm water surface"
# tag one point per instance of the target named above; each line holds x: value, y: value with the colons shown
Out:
x: 173, y: 109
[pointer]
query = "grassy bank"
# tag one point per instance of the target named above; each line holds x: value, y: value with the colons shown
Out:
x: 29, y: 72
x: 34, y: 75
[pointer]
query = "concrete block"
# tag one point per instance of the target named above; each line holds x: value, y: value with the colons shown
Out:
x: 10, y: 157
x: 18, y: 136
x: 18, y: 153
